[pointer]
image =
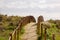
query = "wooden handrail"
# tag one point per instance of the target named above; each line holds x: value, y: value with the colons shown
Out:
x: 40, y: 30
x: 15, y: 34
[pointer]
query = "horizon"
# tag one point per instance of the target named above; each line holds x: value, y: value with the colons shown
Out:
x: 45, y: 18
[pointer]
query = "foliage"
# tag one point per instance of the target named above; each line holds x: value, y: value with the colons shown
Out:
x: 57, y: 22
x: 7, y: 25
x: 51, y: 31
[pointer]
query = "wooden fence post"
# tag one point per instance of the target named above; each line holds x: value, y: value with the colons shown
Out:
x: 41, y: 31
x: 18, y: 34
x: 15, y: 35
x: 11, y: 36
x: 53, y: 37
x: 45, y: 34
x: 39, y: 27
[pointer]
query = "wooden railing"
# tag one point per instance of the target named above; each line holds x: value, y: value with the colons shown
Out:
x: 40, y: 29
x: 16, y: 33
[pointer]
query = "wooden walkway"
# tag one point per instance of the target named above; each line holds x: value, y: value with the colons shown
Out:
x: 30, y: 32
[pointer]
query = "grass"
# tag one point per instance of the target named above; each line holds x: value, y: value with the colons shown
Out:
x: 22, y: 32
x: 57, y: 37
x: 53, y: 30
x: 7, y: 25
x: 5, y: 35
x: 50, y: 31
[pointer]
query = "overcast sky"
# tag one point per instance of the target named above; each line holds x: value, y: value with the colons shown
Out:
x: 50, y: 9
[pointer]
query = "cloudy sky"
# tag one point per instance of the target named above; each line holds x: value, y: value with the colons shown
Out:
x: 50, y: 9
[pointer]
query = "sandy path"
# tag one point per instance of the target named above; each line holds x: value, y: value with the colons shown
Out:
x: 30, y: 32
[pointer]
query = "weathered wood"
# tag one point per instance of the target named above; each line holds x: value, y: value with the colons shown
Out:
x: 45, y: 34
x: 10, y: 36
x: 41, y: 31
x: 39, y: 27
x: 22, y: 23
x: 53, y: 37
x: 15, y: 35
x: 40, y: 19
x: 18, y: 34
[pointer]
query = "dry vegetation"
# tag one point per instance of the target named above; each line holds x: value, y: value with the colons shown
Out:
x: 7, y: 25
